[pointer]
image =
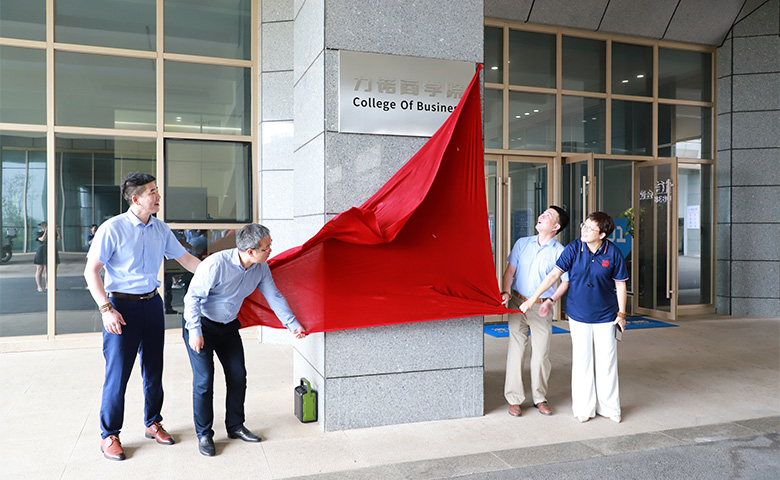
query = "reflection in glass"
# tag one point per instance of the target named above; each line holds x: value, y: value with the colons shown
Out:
x: 22, y: 85
x: 211, y: 28
x: 89, y: 172
x: 531, y: 59
x: 494, y: 118
x: 694, y: 240
x: 106, y: 23
x: 583, y: 124
x: 528, y: 198
x: 104, y: 91
x: 684, y: 75
x: 632, y: 132
x: 207, y: 181
x: 207, y: 99
x: 491, y: 188
x: 176, y: 279
x: 23, y: 208
x: 494, y: 55
x: 23, y: 19
x: 651, y: 223
x: 632, y: 69
x: 531, y: 121
x: 614, y: 181
x: 684, y: 131
x: 584, y: 64
x: 574, y: 198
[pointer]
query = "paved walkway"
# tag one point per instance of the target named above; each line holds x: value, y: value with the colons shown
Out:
x: 701, y: 400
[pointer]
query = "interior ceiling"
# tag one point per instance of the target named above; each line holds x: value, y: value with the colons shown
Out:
x: 692, y: 21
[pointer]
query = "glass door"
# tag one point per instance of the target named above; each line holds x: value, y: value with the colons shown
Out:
x: 656, y: 228
x: 578, y: 183
x: 518, y: 192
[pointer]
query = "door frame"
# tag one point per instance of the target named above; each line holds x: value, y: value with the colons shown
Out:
x: 671, y: 254
x: 503, y: 204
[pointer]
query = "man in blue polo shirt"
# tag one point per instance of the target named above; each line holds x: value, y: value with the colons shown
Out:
x: 211, y: 305
x: 131, y: 247
x: 531, y: 259
x: 596, y: 306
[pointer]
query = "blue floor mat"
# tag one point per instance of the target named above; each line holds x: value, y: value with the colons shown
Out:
x: 499, y: 330
x: 635, y: 323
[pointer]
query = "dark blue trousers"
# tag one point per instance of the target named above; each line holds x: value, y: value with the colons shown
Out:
x: 144, y: 335
x: 224, y: 340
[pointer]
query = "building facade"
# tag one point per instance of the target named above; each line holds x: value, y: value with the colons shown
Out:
x: 233, y: 106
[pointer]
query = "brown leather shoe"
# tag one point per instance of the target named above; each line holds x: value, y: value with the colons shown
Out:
x: 157, y: 432
x: 515, y: 411
x: 544, y: 409
x: 112, y: 448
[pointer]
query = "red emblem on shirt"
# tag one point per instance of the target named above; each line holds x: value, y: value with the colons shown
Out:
x: 605, y: 263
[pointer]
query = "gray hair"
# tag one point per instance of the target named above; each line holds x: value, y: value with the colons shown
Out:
x: 250, y: 236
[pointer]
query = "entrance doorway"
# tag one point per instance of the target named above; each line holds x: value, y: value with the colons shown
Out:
x: 518, y: 191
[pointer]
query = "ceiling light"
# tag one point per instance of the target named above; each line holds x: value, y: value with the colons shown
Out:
x: 625, y: 81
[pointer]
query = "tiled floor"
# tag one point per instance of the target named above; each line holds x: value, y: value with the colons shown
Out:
x: 707, y: 379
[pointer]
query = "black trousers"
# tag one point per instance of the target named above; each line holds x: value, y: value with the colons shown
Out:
x: 224, y: 340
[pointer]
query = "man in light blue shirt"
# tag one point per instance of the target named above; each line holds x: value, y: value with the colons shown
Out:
x: 211, y: 305
x: 530, y: 261
x: 131, y: 247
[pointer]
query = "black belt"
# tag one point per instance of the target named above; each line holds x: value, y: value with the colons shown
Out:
x: 130, y: 296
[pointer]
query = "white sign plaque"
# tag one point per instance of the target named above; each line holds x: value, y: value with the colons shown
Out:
x: 398, y: 95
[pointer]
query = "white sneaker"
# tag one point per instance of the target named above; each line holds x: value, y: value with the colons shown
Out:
x: 583, y: 419
x: 615, y: 418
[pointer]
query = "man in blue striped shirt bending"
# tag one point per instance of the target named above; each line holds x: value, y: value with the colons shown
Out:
x: 216, y: 292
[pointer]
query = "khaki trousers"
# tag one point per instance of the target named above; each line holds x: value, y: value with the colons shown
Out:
x: 541, y: 335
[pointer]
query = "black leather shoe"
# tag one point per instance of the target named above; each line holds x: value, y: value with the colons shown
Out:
x: 206, y: 446
x: 244, y: 434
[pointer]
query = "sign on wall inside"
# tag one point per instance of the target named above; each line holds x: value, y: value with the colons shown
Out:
x: 398, y: 95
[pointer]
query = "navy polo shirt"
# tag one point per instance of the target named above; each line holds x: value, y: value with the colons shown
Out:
x: 592, y: 277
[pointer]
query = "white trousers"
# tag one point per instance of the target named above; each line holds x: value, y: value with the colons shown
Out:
x: 541, y: 334
x: 594, y: 371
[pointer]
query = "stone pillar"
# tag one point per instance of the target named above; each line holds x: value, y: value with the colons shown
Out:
x: 394, y: 374
x: 748, y: 167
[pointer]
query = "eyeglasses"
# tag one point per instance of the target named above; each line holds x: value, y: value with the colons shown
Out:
x: 264, y: 250
x: 587, y: 228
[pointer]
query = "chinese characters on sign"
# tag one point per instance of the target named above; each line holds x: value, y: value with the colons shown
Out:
x: 397, y: 95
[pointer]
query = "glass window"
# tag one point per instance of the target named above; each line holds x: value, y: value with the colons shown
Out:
x: 494, y: 118
x: 25, y: 19
x: 684, y: 75
x: 89, y: 172
x: 200, y: 243
x: 632, y: 131
x: 104, y: 91
x: 22, y: 85
x: 531, y: 59
x: 531, y: 121
x: 584, y: 64
x: 632, y: 69
x: 211, y: 28
x: 207, y: 181
x: 23, y: 208
x: 684, y: 131
x: 494, y: 55
x: 106, y: 23
x: 207, y: 99
x: 583, y: 124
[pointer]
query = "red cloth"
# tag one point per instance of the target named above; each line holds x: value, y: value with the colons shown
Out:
x: 419, y: 249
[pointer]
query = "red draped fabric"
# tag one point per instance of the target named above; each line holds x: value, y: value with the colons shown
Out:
x: 418, y: 250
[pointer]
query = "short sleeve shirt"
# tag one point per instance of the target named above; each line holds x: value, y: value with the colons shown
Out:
x: 132, y: 252
x: 592, y: 277
x: 532, y: 263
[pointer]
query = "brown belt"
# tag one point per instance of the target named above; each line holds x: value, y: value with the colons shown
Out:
x: 130, y: 296
x: 541, y: 300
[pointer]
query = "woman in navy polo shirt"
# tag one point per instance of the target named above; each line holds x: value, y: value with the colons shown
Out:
x: 595, y: 306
